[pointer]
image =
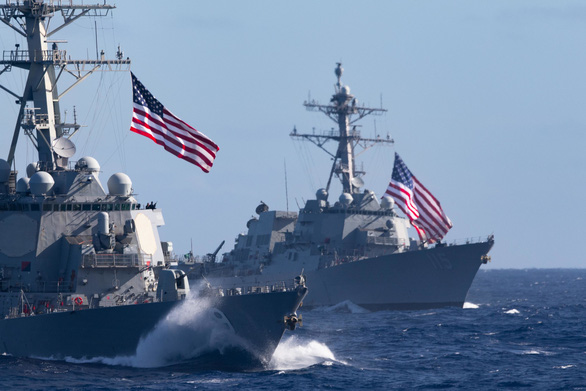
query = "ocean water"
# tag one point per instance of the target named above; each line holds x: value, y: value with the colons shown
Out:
x: 520, y: 329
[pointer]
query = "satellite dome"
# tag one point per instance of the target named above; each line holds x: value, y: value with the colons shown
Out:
x: 346, y: 90
x: 22, y: 185
x: 321, y: 195
x: 261, y: 208
x: 4, y: 171
x: 387, y: 202
x: 119, y: 184
x: 31, y: 169
x: 346, y: 199
x: 249, y: 222
x: 87, y: 163
x: 41, y: 183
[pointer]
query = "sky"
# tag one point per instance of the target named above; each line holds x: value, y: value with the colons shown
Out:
x: 485, y: 103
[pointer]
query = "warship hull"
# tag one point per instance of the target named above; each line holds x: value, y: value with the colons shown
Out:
x: 84, y: 273
x: 412, y: 280
x: 248, y: 327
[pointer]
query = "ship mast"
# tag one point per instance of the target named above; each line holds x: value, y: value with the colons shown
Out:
x: 345, y: 111
x: 39, y: 113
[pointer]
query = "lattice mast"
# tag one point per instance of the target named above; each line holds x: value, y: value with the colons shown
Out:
x: 39, y: 113
x: 345, y: 111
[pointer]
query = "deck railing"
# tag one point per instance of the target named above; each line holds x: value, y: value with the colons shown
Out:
x: 116, y: 260
x: 36, y: 286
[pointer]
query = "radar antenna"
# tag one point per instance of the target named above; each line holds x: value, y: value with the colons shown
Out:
x: 345, y: 111
x: 45, y: 65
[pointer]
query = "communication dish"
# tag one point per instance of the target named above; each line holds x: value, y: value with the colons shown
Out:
x: 357, y: 182
x: 64, y: 147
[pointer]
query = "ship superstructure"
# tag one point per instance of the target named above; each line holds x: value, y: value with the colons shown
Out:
x: 356, y: 247
x: 80, y: 259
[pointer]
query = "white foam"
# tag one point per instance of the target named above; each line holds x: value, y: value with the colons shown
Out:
x: 345, y: 306
x: 513, y: 311
x: 191, y: 329
x: 468, y: 305
x: 296, y: 353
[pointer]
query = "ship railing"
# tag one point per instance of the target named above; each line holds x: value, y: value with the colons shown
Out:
x: 332, y: 133
x: 247, y: 289
x: 52, y: 55
x: 116, y: 260
x: 31, y: 119
x: 385, y: 241
x: 340, y: 257
x: 37, y: 286
x: 470, y: 240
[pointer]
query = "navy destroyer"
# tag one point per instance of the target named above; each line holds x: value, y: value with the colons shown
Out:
x: 357, y: 248
x: 83, y: 271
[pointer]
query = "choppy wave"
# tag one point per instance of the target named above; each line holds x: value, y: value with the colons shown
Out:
x: 190, y: 330
x: 345, y: 306
x: 297, y: 353
x: 523, y: 335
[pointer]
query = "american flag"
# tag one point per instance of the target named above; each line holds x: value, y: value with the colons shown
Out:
x: 422, y: 208
x: 151, y: 119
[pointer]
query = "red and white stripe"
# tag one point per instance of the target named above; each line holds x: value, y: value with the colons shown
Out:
x: 432, y: 218
x: 404, y: 199
x: 422, y: 208
x: 175, y: 135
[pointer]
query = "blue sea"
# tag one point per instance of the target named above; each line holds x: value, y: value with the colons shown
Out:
x: 520, y: 329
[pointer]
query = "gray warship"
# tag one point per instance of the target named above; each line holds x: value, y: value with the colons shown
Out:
x: 83, y: 272
x: 356, y: 249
